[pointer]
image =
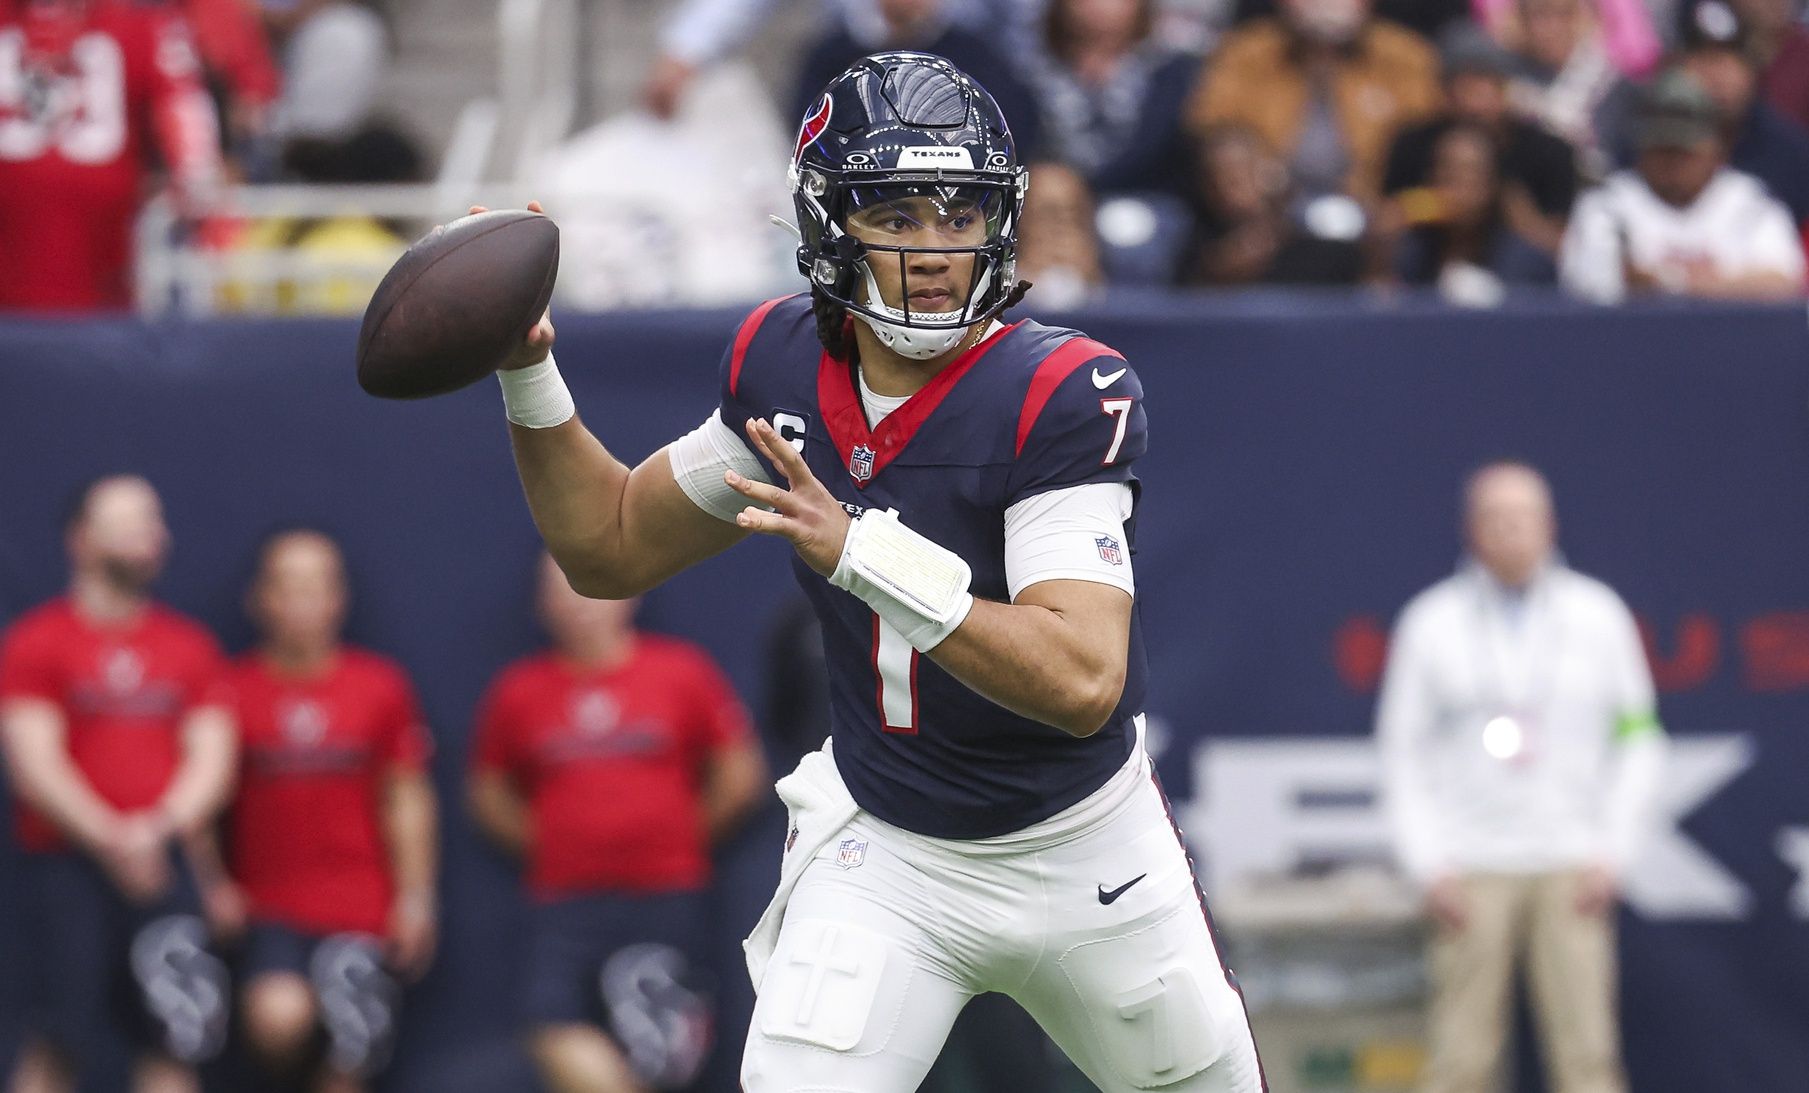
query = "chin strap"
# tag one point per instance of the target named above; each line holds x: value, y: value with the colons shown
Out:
x: 916, y: 342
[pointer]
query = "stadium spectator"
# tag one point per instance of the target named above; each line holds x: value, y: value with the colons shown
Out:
x: 1461, y: 238
x: 1624, y: 28
x: 924, y: 25
x: 1538, y: 170
x: 1326, y: 85
x: 118, y: 738
x: 89, y: 91
x: 1565, y: 80
x: 333, y: 56
x: 1682, y: 221
x: 333, y: 831
x: 1521, y: 754
x: 1112, y: 96
x: 1427, y: 18
x: 702, y: 32
x: 1246, y: 233
x: 1761, y: 141
x: 1058, y: 244
x: 235, y: 52
x: 611, y: 763
x: 1779, y: 42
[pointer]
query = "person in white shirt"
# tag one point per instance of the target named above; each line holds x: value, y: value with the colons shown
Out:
x: 1681, y: 222
x: 1521, y: 751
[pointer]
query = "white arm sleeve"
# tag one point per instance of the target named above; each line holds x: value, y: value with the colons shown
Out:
x: 699, y: 459
x: 1076, y: 534
x: 1404, y: 722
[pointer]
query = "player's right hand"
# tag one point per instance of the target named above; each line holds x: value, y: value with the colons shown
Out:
x: 538, y: 344
x: 227, y: 910
x: 136, y: 857
x: 1447, y: 904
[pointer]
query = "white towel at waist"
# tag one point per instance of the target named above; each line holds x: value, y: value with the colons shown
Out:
x: 820, y: 806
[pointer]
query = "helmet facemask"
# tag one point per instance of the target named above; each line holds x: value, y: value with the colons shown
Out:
x: 848, y: 227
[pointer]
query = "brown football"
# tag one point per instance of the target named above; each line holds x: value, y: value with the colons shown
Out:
x: 453, y: 308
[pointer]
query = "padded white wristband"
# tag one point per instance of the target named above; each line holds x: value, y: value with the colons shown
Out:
x: 917, y: 587
x: 535, y: 397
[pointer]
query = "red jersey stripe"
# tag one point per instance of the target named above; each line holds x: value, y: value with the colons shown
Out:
x: 846, y: 420
x: 1055, y: 368
x: 745, y: 337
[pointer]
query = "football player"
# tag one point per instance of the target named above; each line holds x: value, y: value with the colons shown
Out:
x: 119, y: 739
x: 611, y: 763
x: 334, y: 831
x: 959, y: 496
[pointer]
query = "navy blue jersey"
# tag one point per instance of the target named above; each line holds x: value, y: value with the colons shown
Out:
x: 1020, y: 414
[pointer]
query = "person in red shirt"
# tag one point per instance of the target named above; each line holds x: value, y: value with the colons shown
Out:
x: 333, y: 844
x: 119, y: 741
x: 611, y: 763
x: 88, y: 89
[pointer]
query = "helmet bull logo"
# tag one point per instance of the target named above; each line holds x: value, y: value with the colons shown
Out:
x: 814, y: 124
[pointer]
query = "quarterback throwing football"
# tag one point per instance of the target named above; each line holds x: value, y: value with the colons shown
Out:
x: 959, y: 495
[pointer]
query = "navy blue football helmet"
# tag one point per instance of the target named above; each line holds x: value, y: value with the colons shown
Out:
x: 893, y: 129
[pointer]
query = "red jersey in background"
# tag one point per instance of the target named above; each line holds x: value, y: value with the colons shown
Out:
x: 307, y: 835
x: 124, y: 691
x: 88, y: 90
x: 611, y: 763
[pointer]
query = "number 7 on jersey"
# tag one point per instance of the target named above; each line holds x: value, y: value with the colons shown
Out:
x: 1120, y: 409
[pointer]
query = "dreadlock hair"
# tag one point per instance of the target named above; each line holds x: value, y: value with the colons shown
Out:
x: 832, y: 326
x: 837, y: 335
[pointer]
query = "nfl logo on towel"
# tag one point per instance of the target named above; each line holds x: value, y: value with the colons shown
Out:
x: 850, y: 853
x: 1108, y: 550
x: 860, y: 464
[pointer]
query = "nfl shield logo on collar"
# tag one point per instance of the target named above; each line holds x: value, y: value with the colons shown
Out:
x: 851, y: 853
x: 1108, y: 550
x: 860, y: 464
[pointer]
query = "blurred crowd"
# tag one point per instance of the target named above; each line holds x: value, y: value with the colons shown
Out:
x: 1614, y: 147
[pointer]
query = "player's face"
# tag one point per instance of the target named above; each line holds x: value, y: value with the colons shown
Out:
x: 300, y: 598
x: 1679, y: 174
x: 894, y: 227
x: 1112, y: 21
x: 577, y: 623
x: 122, y: 536
x: 1479, y: 97
x: 1553, y: 28
x: 1511, y: 526
x: 1463, y: 171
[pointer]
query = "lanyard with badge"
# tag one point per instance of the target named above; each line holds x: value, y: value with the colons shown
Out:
x: 1508, y: 728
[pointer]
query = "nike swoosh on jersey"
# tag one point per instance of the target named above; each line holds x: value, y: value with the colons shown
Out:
x: 1105, y: 381
x: 1107, y: 897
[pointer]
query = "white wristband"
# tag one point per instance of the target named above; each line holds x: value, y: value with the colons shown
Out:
x: 916, y: 586
x: 535, y: 397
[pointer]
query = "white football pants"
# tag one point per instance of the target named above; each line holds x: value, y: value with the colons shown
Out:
x: 1090, y: 920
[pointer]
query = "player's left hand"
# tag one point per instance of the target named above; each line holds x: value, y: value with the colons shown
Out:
x: 413, y: 935
x: 226, y: 909
x: 1597, y: 889
x: 807, y: 514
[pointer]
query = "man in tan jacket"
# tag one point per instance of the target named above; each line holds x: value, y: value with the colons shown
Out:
x: 1326, y: 85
